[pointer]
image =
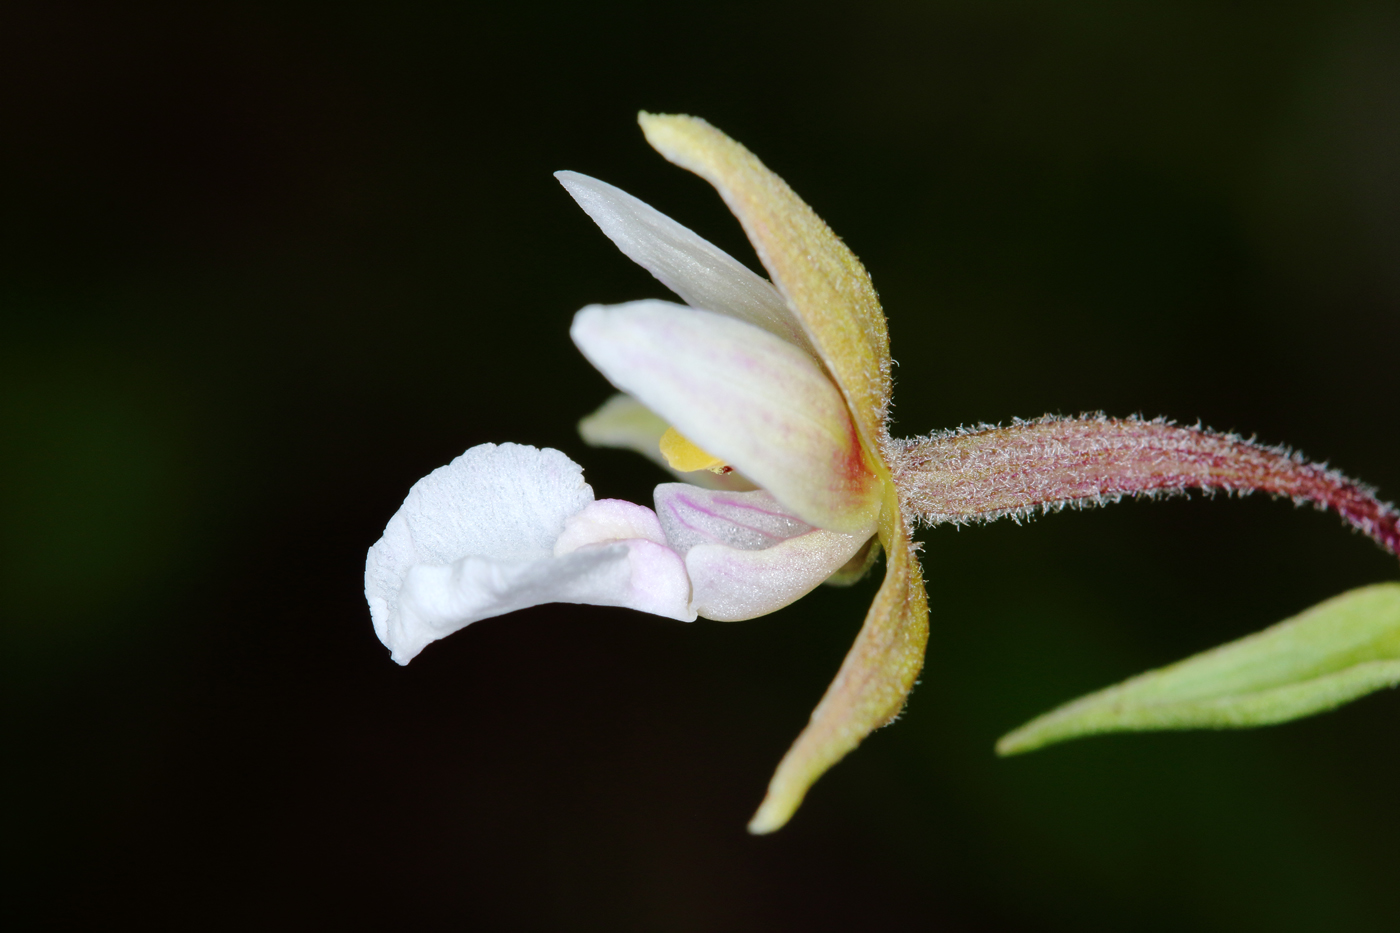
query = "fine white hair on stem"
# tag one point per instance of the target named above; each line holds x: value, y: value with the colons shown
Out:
x: 1036, y: 466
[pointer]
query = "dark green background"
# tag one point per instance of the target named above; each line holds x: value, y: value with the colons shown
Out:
x: 263, y: 267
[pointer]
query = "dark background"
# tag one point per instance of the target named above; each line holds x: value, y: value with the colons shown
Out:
x: 262, y: 267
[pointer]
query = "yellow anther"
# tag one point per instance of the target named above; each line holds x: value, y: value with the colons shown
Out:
x: 682, y: 455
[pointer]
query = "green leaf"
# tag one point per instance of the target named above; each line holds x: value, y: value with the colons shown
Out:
x: 1333, y: 653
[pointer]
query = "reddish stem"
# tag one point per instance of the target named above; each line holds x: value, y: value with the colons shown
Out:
x: 1051, y: 463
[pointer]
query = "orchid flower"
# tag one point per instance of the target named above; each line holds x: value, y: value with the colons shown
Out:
x: 770, y: 399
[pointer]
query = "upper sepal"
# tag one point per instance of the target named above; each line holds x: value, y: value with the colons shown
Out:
x: 824, y: 283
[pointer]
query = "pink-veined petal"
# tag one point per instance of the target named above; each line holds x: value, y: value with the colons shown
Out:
x: 702, y: 274
x: 747, y: 557
x: 743, y: 395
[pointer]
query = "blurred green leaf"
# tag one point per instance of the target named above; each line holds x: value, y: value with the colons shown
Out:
x: 1333, y: 653
x: 96, y: 487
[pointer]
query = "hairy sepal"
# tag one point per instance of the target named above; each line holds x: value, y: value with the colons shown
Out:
x: 824, y: 283
x: 873, y: 683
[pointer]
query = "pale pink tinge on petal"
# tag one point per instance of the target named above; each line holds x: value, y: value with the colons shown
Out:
x: 730, y: 585
x: 745, y: 555
x: 659, y: 582
x: 609, y: 520
x: 743, y: 395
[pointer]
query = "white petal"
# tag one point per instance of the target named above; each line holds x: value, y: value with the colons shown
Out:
x: 745, y: 556
x: 638, y: 574
x: 658, y: 582
x: 476, y: 539
x: 624, y: 422
x: 702, y: 274
x: 609, y: 520
x: 439, y: 599
x: 745, y: 396
x: 505, y: 501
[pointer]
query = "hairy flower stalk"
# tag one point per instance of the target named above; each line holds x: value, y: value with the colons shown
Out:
x: 1052, y: 463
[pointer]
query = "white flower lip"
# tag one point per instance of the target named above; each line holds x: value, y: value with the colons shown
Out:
x: 477, y: 538
x: 507, y: 527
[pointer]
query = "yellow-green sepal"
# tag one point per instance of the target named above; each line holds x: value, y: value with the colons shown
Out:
x: 874, y: 680
x: 823, y: 282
